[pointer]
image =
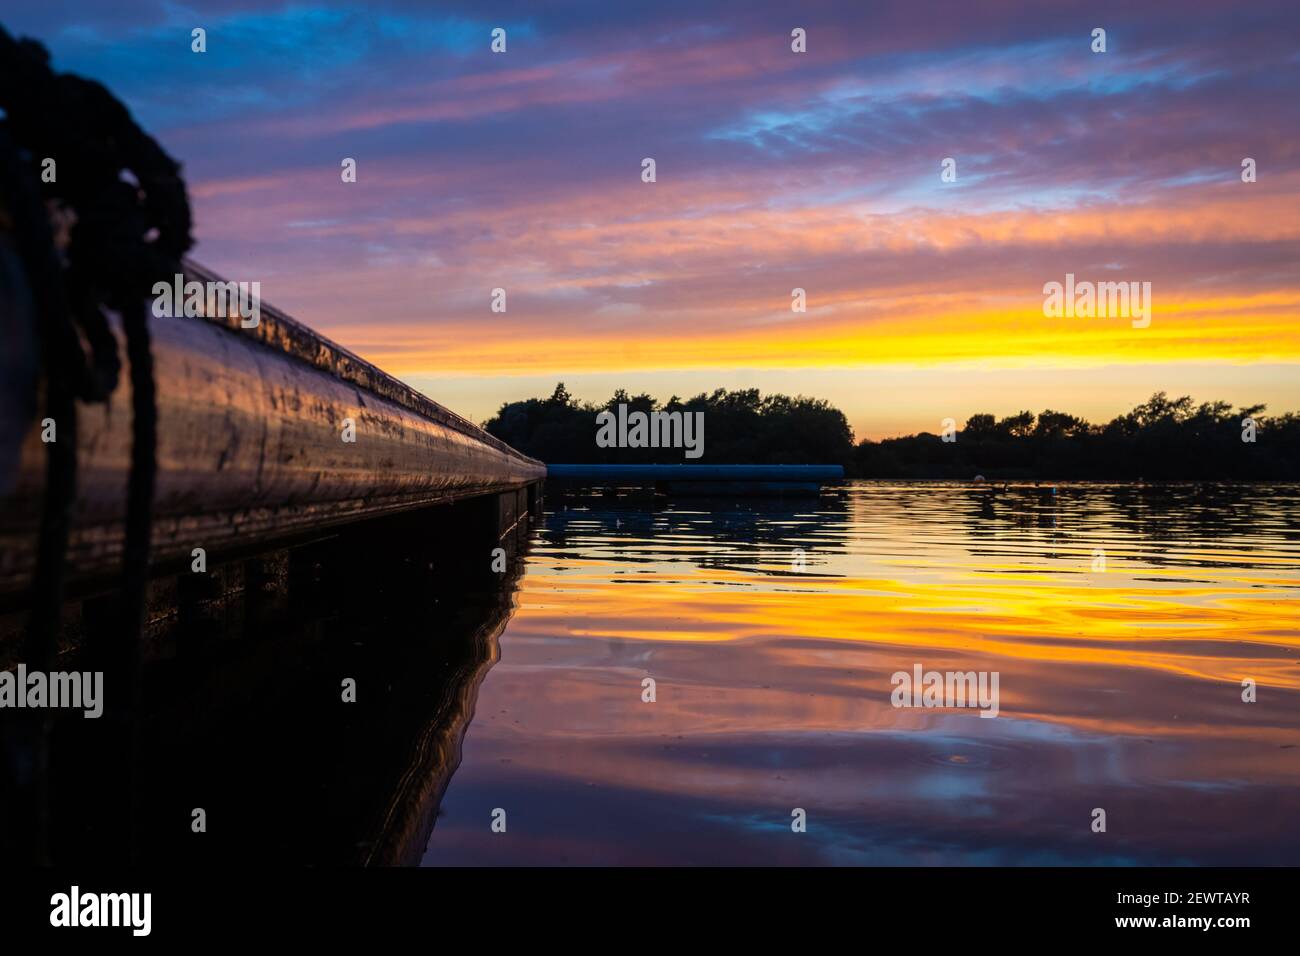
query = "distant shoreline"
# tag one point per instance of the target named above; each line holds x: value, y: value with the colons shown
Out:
x: 1163, y: 440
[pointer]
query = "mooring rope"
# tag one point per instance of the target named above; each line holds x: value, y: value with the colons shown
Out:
x: 130, y: 225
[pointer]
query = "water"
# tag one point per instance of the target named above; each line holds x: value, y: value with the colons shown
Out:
x: 1120, y: 686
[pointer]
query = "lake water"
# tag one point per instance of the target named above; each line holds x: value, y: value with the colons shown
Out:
x: 1121, y: 621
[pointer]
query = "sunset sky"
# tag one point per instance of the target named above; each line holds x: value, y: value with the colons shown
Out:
x: 775, y: 170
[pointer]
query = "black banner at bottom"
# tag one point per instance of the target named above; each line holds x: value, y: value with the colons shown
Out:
x: 1223, y: 905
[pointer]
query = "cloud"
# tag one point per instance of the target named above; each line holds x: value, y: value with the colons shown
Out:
x: 775, y: 170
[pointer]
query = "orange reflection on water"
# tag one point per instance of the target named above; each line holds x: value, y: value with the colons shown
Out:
x: 1119, y: 688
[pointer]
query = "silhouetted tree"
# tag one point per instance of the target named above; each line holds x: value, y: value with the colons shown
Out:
x: 739, y: 427
x: 1162, y: 438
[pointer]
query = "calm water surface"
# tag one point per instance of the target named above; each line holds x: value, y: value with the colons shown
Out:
x: 1121, y: 686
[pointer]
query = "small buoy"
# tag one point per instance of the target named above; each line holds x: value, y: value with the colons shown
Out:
x: 979, y: 478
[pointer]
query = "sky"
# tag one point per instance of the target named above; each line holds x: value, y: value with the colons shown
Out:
x: 774, y: 170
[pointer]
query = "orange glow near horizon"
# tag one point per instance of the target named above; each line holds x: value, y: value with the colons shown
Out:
x: 1262, y: 329
x: 922, y: 313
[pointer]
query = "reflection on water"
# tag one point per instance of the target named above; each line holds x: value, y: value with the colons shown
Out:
x: 243, y: 712
x: 1122, y: 620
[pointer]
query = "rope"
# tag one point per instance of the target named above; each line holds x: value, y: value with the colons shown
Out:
x: 126, y: 235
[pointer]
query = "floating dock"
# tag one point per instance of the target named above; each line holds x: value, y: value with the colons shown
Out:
x: 251, y: 451
x: 703, y: 480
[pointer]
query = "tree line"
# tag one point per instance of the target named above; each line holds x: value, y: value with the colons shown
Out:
x: 1162, y: 439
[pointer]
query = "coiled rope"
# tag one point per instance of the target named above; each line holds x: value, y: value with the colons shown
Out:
x: 131, y: 224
